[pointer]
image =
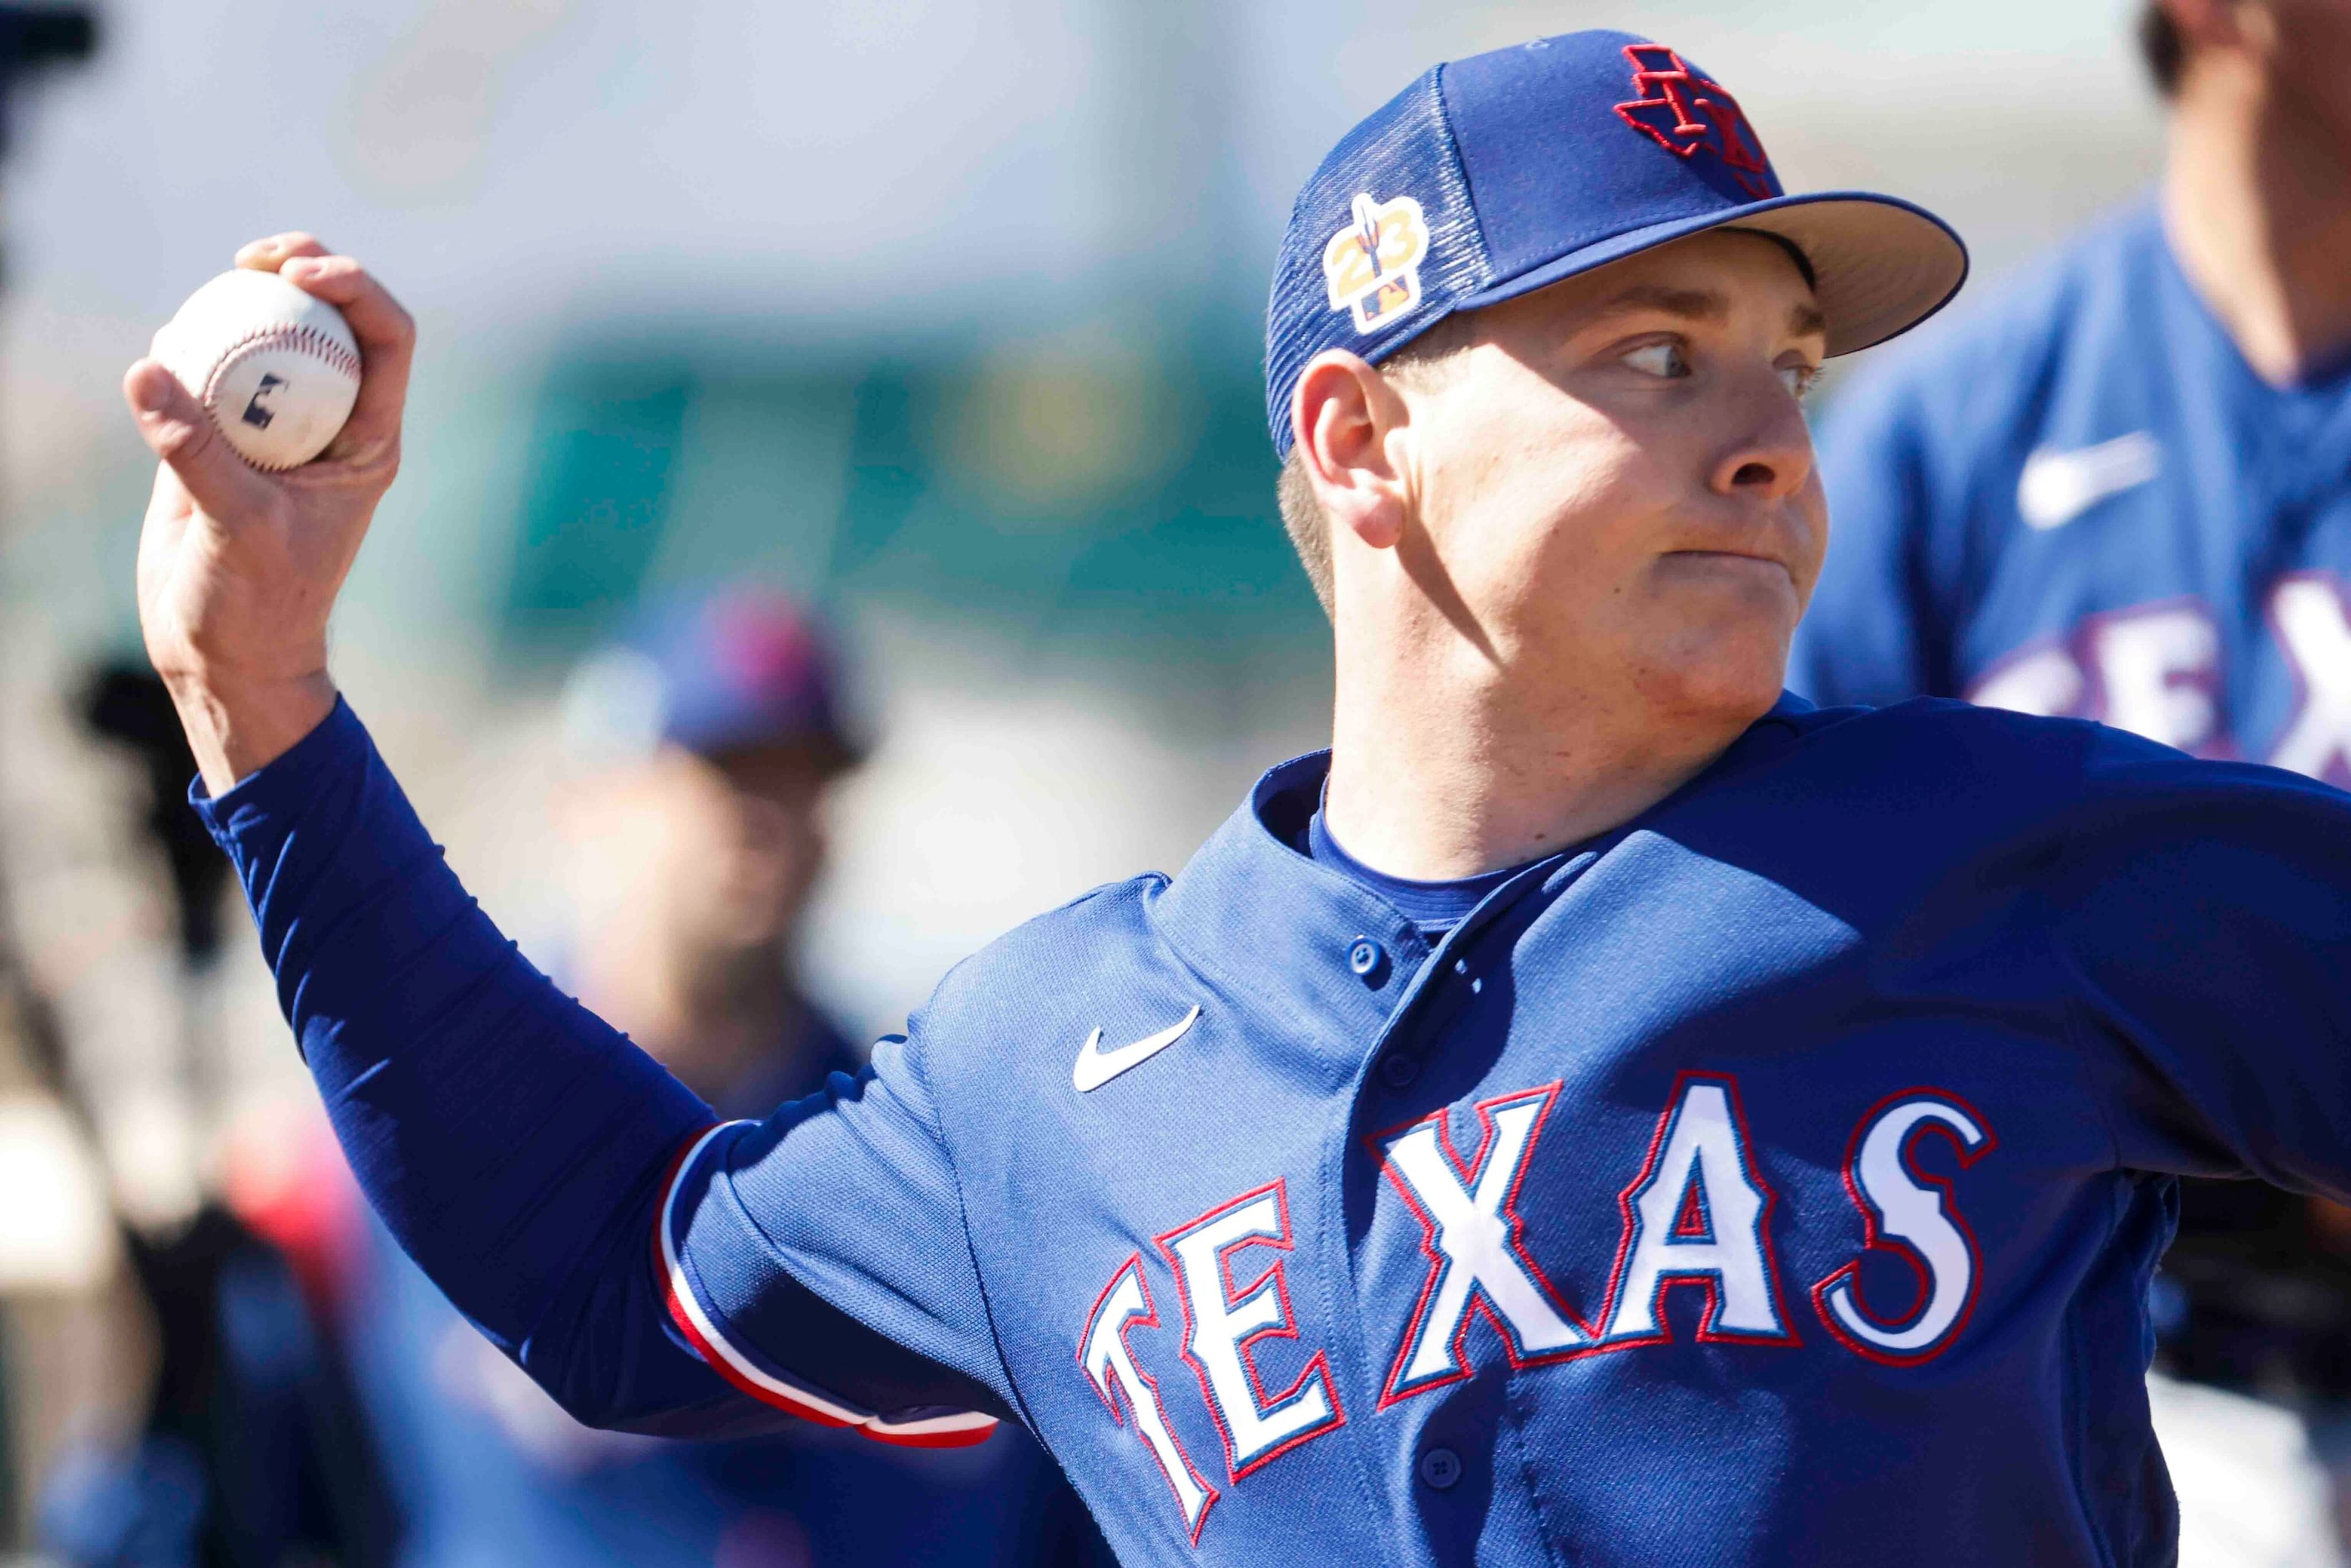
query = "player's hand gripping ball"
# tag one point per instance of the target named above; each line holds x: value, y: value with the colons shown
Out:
x: 276, y: 369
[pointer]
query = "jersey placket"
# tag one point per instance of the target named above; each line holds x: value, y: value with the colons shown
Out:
x: 1421, y: 1070
x: 1308, y: 964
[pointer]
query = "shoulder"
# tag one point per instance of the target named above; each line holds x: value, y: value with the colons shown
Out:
x: 1911, y: 820
x: 1985, y: 773
x: 1926, y: 733
x: 1905, y: 795
x: 1020, y: 1006
x: 1100, y: 929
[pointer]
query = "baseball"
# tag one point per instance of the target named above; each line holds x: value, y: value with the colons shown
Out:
x: 276, y: 369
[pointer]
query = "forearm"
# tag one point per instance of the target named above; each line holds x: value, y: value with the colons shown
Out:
x: 512, y: 1142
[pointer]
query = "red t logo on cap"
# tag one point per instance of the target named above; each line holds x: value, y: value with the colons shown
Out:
x: 1685, y: 111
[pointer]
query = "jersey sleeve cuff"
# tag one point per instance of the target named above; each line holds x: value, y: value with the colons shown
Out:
x: 696, y: 1311
x: 281, y: 787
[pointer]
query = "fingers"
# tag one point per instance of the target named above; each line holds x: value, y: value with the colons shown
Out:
x: 271, y: 254
x: 386, y: 333
x: 180, y: 433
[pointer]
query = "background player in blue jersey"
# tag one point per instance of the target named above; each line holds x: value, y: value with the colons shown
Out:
x: 1601, y: 1109
x: 2120, y: 489
x: 705, y: 743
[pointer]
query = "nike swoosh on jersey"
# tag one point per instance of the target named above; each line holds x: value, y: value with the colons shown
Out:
x: 2058, y: 486
x: 1096, y: 1067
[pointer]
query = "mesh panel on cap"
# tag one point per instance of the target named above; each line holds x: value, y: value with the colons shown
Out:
x: 1404, y: 149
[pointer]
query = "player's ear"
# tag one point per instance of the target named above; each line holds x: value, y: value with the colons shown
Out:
x: 1345, y: 416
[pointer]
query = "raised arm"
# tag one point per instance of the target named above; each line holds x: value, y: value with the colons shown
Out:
x: 524, y: 1153
x: 238, y: 569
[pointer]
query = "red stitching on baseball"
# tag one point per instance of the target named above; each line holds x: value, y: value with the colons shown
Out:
x: 301, y: 338
x: 305, y: 337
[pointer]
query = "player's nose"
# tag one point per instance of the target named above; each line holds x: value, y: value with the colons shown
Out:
x: 1770, y: 458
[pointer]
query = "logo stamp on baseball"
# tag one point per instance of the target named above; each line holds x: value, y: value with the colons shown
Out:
x: 276, y: 369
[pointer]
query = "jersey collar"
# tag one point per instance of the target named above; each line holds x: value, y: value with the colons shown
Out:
x: 1269, y: 926
x: 1264, y: 921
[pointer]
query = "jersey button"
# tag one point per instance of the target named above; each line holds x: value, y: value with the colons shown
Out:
x: 1369, y: 960
x: 1398, y: 1070
x: 1440, y: 1469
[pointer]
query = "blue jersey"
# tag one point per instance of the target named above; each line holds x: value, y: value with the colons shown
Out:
x: 2082, y: 501
x: 1775, y: 1179
x: 489, y: 1471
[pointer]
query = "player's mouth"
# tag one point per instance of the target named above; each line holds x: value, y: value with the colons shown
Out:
x: 1735, y: 560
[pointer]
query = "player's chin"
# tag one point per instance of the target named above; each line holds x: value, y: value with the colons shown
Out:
x: 1722, y: 652
x: 1707, y: 595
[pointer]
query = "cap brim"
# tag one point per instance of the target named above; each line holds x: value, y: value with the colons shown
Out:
x: 1880, y: 265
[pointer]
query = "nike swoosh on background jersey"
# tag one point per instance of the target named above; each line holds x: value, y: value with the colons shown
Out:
x: 1096, y: 1067
x: 2058, y: 486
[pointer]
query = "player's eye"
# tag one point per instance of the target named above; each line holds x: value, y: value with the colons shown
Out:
x: 1665, y: 360
x: 1798, y: 379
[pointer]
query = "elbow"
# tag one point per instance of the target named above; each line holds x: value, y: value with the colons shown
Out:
x: 598, y: 1403
x: 630, y: 1374
x: 606, y: 1398
x: 683, y: 1399
x: 589, y: 1389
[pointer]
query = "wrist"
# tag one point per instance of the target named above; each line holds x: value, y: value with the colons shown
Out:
x: 236, y: 727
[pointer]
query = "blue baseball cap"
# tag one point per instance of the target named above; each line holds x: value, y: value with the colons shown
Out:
x: 713, y: 673
x: 1496, y: 175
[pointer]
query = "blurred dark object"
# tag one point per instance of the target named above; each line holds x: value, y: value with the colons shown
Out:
x: 2161, y: 47
x: 127, y: 703
x: 254, y: 1453
x: 2261, y: 1282
x: 34, y: 37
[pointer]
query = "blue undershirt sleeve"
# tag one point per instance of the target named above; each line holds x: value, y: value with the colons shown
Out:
x: 2204, y: 910
x: 522, y: 1151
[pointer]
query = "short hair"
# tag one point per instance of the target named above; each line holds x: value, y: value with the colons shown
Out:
x: 1414, y: 365
x: 2160, y: 45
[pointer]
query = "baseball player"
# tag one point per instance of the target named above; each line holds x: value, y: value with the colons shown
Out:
x: 1601, y: 1111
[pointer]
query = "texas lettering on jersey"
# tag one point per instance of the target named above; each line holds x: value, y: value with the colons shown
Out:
x: 1696, y: 1214
x: 1794, y: 1159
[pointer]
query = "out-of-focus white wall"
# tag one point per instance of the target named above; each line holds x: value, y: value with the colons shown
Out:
x: 511, y: 161
x: 519, y: 169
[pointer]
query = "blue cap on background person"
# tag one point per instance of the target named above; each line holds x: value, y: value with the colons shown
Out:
x: 1497, y: 175
x: 715, y: 673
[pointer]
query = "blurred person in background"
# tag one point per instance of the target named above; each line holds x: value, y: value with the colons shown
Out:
x: 245, y: 1446
x: 2120, y: 489
x: 704, y: 744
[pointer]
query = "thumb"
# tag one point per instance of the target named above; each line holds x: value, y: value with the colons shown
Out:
x: 179, y: 431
